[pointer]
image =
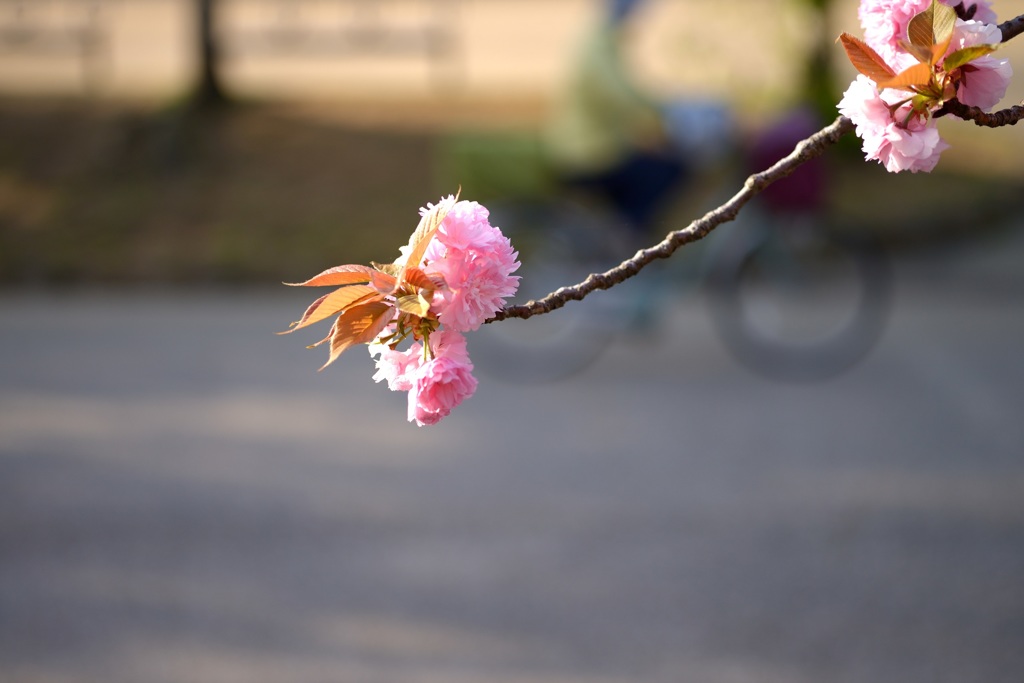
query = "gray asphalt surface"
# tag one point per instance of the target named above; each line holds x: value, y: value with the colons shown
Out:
x: 183, y: 498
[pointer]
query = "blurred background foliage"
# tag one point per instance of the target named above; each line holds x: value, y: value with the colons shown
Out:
x: 261, y: 140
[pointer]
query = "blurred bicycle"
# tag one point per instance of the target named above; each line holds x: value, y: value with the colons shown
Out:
x: 790, y: 295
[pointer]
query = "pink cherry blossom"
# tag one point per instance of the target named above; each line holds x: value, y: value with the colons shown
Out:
x: 442, y: 382
x: 436, y: 384
x: 476, y: 262
x: 900, y: 144
x: 466, y: 226
x: 984, y: 81
x: 397, y: 367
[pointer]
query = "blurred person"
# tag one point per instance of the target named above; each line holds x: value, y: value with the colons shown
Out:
x: 609, y: 137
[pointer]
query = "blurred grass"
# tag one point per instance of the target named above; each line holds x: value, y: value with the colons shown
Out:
x: 109, y: 194
x: 103, y: 194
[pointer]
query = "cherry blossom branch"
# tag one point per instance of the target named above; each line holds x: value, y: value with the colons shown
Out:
x: 996, y: 119
x: 1012, y: 28
x: 805, y: 150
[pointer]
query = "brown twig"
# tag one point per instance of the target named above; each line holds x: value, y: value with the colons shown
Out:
x: 996, y: 119
x: 805, y: 150
x: 1012, y: 28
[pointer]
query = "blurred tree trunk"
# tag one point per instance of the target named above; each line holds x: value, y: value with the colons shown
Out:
x: 209, y: 89
x: 819, y: 88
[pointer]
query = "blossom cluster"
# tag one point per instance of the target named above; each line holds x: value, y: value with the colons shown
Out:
x: 454, y: 274
x: 893, y: 116
x: 437, y: 380
x: 475, y: 261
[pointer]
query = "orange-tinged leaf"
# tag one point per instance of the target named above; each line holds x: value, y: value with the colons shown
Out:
x: 332, y: 303
x: 866, y: 60
x: 322, y: 341
x: 339, y: 275
x: 922, y: 54
x: 426, y: 230
x: 917, y: 75
x: 358, y: 325
x: 417, y: 278
x: 383, y: 283
x: 939, y: 49
x: 305, y: 316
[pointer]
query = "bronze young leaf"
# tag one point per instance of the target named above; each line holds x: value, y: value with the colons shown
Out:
x: 358, y: 325
x: 919, y: 75
x: 338, y: 275
x: 933, y: 26
x: 417, y: 278
x: 384, y: 283
x: 865, y: 59
x: 334, y: 302
x: 425, y: 231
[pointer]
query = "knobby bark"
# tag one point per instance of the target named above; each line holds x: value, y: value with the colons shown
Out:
x: 996, y: 119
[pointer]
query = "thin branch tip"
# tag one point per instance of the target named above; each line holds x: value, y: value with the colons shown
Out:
x: 997, y: 119
x: 805, y: 150
x: 1012, y: 28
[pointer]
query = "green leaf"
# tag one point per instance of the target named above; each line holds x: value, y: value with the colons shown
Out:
x: 416, y: 304
x: 332, y: 303
x: 922, y: 104
x: 866, y: 60
x: 339, y: 275
x: 957, y: 59
x: 358, y: 325
x: 919, y: 75
x: 944, y: 22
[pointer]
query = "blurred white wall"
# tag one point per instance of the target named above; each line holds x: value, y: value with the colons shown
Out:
x: 504, y: 48
x: 506, y: 53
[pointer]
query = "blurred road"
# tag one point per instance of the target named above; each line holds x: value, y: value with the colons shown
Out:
x: 184, y: 498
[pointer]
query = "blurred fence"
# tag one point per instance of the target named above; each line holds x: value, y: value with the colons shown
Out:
x: 336, y: 29
x: 405, y: 58
x: 56, y: 30
x: 149, y: 44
